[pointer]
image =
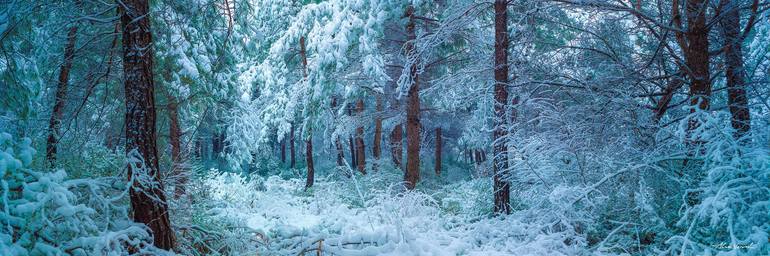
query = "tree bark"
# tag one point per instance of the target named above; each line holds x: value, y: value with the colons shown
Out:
x: 412, y: 175
x: 396, y: 146
x: 697, y: 60
x: 292, y: 154
x: 337, y: 141
x: 376, y: 144
x: 360, y: 147
x: 140, y: 123
x: 736, y: 79
x: 438, y: 151
x: 500, y: 133
x: 283, y: 150
x: 309, y: 141
x: 175, y: 139
x: 54, y: 126
x: 351, y: 142
x: 309, y: 158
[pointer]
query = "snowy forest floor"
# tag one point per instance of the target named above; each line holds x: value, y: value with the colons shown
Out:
x: 364, y: 215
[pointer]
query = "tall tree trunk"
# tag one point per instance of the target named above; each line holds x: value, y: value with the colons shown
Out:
x: 292, y: 154
x: 54, y: 125
x: 175, y: 139
x: 376, y: 144
x: 360, y: 148
x: 697, y: 60
x: 438, y: 151
x: 148, y: 202
x: 412, y: 175
x: 309, y: 141
x: 337, y: 141
x: 353, y: 159
x: 500, y: 157
x: 283, y: 150
x: 396, y: 146
x: 733, y: 57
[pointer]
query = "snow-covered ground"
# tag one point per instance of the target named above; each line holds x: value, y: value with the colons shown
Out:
x: 374, y: 215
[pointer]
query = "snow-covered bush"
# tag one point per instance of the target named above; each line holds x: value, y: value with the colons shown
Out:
x: 726, y: 212
x: 44, y: 213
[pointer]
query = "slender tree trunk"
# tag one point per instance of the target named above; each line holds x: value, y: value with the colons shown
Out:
x: 500, y: 155
x: 353, y: 157
x: 283, y: 150
x: 175, y: 139
x: 438, y: 151
x: 292, y: 154
x: 338, y: 142
x: 396, y: 146
x: 148, y: 202
x: 309, y: 141
x: 54, y: 125
x: 360, y: 148
x: 412, y: 175
x: 668, y: 93
x: 376, y: 144
x: 733, y: 57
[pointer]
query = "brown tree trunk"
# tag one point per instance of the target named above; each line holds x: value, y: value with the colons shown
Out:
x: 376, y: 144
x: 292, y: 155
x: 338, y: 142
x: 500, y: 155
x: 351, y: 142
x: 360, y: 148
x: 148, y: 202
x: 396, y: 146
x: 309, y: 159
x: 412, y: 175
x: 736, y: 80
x: 175, y: 139
x: 438, y: 151
x: 54, y: 125
x: 697, y: 60
x: 283, y: 150
x: 309, y: 141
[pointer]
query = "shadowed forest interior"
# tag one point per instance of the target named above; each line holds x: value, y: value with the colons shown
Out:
x: 385, y: 127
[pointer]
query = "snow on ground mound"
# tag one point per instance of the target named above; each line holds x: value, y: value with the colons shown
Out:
x: 373, y: 215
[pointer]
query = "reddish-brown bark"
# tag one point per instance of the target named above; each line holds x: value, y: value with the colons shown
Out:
x: 360, y: 147
x: 500, y: 157
x: 54, y: 126
x: 412, y: 175
x: 437, y: 166
x: 148, y: 202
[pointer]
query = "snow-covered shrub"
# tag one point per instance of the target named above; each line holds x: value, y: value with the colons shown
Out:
x: 727, y: 211
x: 44, y: 213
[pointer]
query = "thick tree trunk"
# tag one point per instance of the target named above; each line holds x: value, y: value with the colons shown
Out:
x: 377, y: 143
x: 412, y: 175
x: 148, y: 202
x: 438, y: 151
x: 500, y: 157
x: 54, y: 125
x: 733, y: 57
x: 697, y: 60
x: 360, y: 147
